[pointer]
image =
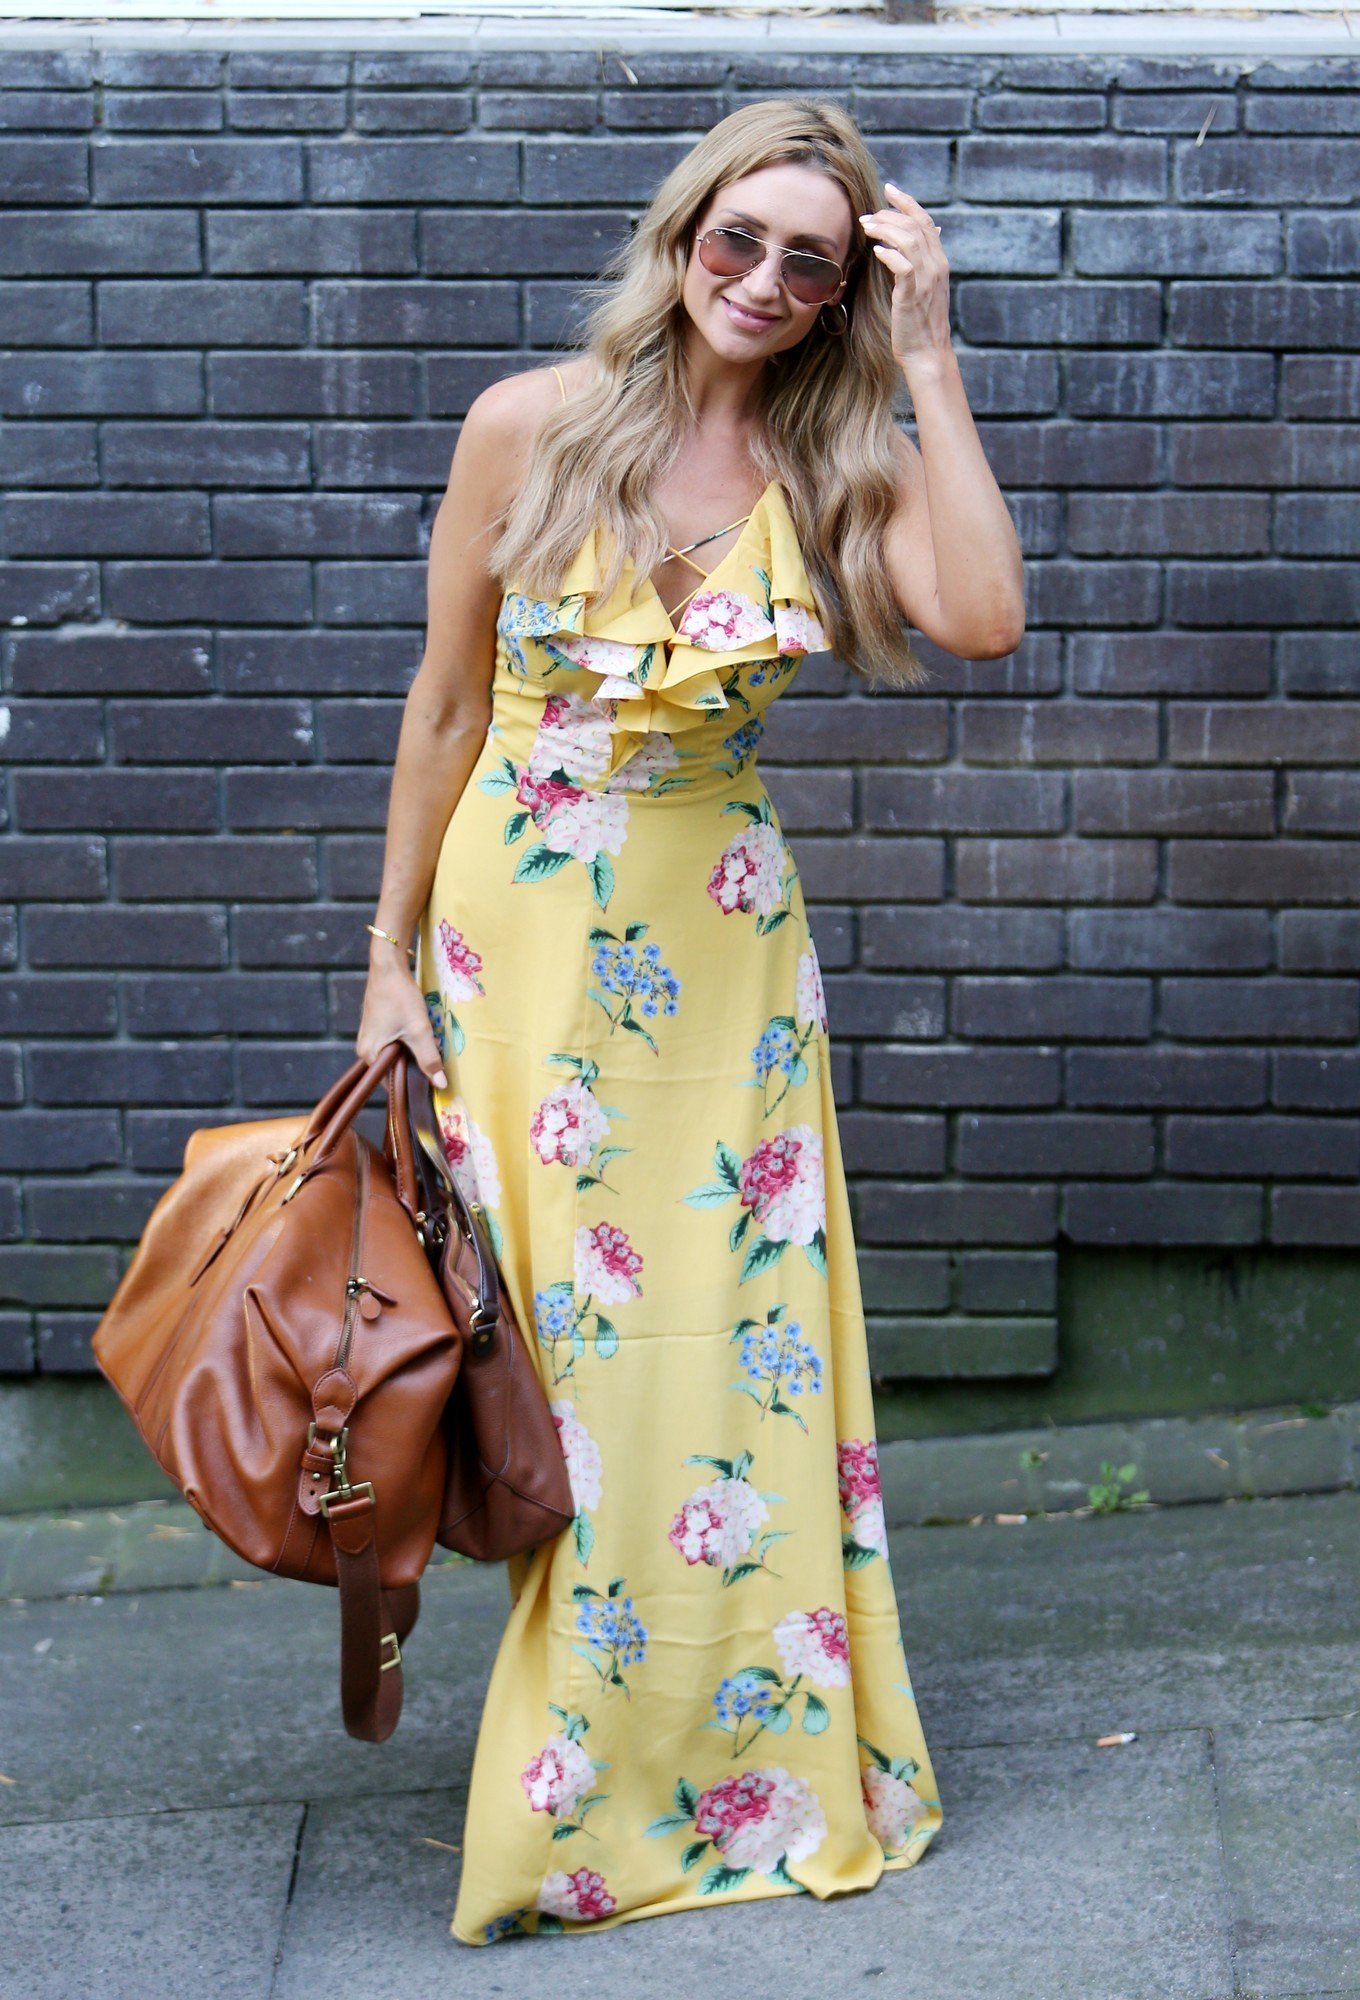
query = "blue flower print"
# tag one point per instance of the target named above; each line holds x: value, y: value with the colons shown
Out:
x: 611, y: 1628
x: 776, y: 1357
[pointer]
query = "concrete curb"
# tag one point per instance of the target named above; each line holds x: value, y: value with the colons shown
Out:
x: 162, y: 1544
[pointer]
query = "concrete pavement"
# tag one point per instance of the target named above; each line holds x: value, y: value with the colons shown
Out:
x: 182, y: 1810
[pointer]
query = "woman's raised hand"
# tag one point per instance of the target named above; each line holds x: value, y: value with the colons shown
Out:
x: 395, y: 1011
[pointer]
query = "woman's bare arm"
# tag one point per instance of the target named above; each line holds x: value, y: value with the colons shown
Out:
x: 448, y: 705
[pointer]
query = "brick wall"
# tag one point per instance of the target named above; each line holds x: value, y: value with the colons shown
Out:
x: 1088, y: 914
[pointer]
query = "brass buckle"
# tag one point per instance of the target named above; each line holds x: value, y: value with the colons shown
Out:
x: 335, y: 1445
x: 344, y: 1492
x: 390, y: 1639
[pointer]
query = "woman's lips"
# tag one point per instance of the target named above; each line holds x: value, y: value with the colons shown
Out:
x: 742, y: 316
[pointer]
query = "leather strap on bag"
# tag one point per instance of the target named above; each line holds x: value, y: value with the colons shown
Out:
x: 373, y: 1622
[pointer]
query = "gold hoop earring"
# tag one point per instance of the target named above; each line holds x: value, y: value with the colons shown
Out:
x: 837, y: 332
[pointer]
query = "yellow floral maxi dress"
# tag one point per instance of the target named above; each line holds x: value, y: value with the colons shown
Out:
x: 701, y: 1695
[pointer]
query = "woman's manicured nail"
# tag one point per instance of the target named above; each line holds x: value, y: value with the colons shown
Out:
x: 441, y: 1080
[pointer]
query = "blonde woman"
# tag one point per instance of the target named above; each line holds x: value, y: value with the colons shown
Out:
x: 701, y: 1695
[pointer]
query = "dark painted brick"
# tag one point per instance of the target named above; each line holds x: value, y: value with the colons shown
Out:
x: 1173, y: 243
x: 1314, y: 1215
x: 51, y: 869
x: 73, y: 662
x: 246, y: 242
x: 1254, y: 1010
x: 196, y: 170
x: 109, y: 936
x: 192, y: 732
x: 225, y: 1003
x: 1265, y: 455
x: 1059, y: 1145
x: 1141, y: 663
x: 101, y: 384
x: 225, y: 869
x: 47, y: 801
x: 1052, y: 169
x: 1061, y: 1008
x: 1246, y: 871
x: 1162, y: 1212
x: 1327, y: 1082
x: 299, y: 385
x: 1166, y: 940
x: 1056, y: 871
x: 1173, y: 802
x: 1083, y: 313
x: 1278, y: 1148
x: 189, y: 312
x: 1163, y: 1077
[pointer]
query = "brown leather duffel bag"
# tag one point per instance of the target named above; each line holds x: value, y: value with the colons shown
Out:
x: 288, y: 1339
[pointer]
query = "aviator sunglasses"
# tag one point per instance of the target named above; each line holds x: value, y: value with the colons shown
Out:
x: 732, y: 253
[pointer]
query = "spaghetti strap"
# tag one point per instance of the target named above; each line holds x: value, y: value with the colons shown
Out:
x: 560, y: 383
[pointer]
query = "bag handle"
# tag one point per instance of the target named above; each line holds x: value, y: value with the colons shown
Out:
x: 440, y: 1193
x: 345, y: 1100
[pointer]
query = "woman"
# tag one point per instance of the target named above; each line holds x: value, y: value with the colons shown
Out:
x: 701, y: 1694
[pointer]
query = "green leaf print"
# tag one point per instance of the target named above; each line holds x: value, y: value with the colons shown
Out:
x: 764, y: 1252
x: 686, y: 1797
x: 606, y: 1343
x: 816, y: 1715
x: 503, y: 777
x: 601, y: 872
x: 538, y: 862
x: 692, y: 1855
x: 668, y: 1823
x: 815, y: 1251
x: 710, y: 1194
x: 515, y: 826
x: 719, y: 1877
x: 584, y: 1532
x: 728, y: 1162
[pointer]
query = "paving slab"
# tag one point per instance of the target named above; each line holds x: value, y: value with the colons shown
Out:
x: 148, y: 1908
x: 174, y: 1699
x: 1289, y: 1796
x: 1096, y: 1871
x: 147, y: 1736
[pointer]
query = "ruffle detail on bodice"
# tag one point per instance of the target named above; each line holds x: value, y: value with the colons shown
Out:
x: 650, y: 674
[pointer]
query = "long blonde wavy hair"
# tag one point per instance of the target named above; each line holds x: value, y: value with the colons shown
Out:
x: 825, y: 430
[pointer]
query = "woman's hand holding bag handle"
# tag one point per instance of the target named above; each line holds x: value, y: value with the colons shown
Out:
x: 285, y: 1345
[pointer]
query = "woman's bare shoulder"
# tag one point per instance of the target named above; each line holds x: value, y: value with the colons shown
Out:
x: 504, y: 419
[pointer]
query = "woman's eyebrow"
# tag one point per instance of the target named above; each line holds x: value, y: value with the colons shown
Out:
x: 756, y: 223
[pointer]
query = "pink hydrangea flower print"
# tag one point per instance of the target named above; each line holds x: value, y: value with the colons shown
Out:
x: 798, y: 630
x: 469, y: 1153
x: 582, y: 1896
x: 721, y: 620
x: 568, y: 1125
x: 891, y: 1807
x: 584, y: 1465
x: 582, y: 824
x: 809, y: 995
x: 654, y: 756
x: 759, y: 1818
x: 607, y: 1266
x: 718, y: 1523
x: 749, y: 873
x: 815, y: 1644
x: 572, y: 737
x: 558, y: 1778
x: 457, y: 963
x: 862, y: 1499
x: 782, y: 1183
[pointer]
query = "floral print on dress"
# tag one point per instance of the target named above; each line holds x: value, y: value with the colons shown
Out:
x: 457, y: 974
x: 720, y: 1523
x: 570, y: 1125
x: 631, y: 981
x: 814, y: 1646
x: 585, y: 1469
x: 780, y: 1185
x: 615, y: 1637
x: 560, y: 1779
x: 605, y: 1267
x: 780, y: 1363
x: 722, y: 620
x: 582, y: 1896
x: 892, y: 1805
x: 755, y: 871
x: 472, y: 1161
x: 757, y: 1820
x: 861, y: 1500
x: 779, y: 1054
x: 809, y: 1003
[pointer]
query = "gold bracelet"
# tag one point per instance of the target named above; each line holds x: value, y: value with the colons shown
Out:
x: 387, y: 935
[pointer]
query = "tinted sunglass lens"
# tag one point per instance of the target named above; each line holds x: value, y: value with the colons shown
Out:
x: 727, y: 253
x: 812, y: 280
